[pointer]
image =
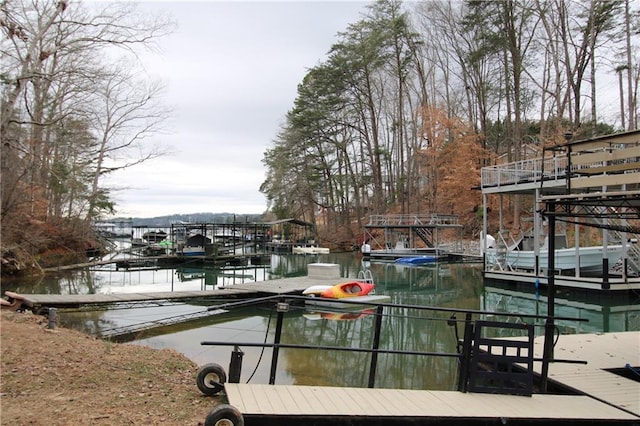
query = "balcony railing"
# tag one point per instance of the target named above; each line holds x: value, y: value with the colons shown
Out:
x: 525, y: 171
x: 414, y: 220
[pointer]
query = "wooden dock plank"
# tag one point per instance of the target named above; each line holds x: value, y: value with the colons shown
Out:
x: 390, y: 403
x: 458, y: 404
x: 605, y: 386
x: 349, y: 399
x: 302, y: 403
x: 272, y: 287
x: 603, y: 352
x: 313, y: 400
x: 330, y: 401
x: 285, y: 399
x: 337, y: 399
x: 265, y: 403
x: 416, y: 402
x: 241, y: 400
x: 374, y: 402
x: 324, y: 401
x: 253, y: 398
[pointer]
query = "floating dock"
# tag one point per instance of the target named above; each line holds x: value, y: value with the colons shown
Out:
x: 593, y: 284
x: 598, y: 392
x: 611, y: 374
x: 294, y: 405
x: 390, y: 237
x: 319, y: 274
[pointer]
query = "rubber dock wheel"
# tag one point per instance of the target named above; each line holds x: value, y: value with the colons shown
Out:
x: 224, y: 415
x: 211, y: 378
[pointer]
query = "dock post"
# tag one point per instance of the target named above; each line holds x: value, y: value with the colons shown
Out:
x: 547, y: 351
x: 465, y: 356
x: 281, y: 308
x: 375, y: 347
x: 53, y: 318
x: 235, y: 365
x: 605, y: 274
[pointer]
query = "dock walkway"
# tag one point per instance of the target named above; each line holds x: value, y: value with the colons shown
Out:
x: 609, y: 356
x: 323, y: 274
x: 163, y: 261
x: 278, y: 404
x: 601, y: 396
x: 245, y: 290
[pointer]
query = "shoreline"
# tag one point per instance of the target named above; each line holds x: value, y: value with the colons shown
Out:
x: 62, y: 376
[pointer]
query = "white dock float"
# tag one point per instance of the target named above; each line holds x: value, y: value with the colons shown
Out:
x: 323, y: 270
x: 272, y: 401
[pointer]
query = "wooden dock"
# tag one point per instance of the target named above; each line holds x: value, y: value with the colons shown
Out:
x: 600, y: 396
x: 319, y: 274
x: 246, y: 290
x: 614, y: 284
x: 294, y: 285
x: 287, y: 404
x: 606, y: 376
x: 164, y: 261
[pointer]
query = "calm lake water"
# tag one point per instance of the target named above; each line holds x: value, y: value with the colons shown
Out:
x: 440, y: 285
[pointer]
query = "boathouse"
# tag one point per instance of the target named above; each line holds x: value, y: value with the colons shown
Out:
x: 284, y: 234
x: 405, y: 235
x: 585, y: 198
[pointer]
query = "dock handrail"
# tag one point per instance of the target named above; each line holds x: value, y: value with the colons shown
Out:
x: 531, y: 170
x: 366, y: 276
x: 432, y: 219
x: 464, y: 353
x: 572, y: 161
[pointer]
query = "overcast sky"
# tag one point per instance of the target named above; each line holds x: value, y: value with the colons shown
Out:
x: 231, y: 70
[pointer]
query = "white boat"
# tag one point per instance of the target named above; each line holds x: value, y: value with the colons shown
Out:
x: 193, y: 251
x: 588, y: 259
x: 310, y: 250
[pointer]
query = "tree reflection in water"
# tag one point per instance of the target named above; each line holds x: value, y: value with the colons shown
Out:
x: 404, y: 329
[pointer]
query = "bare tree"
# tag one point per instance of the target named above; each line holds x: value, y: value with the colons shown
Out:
x: 125, y: 112
x: 56, y: 91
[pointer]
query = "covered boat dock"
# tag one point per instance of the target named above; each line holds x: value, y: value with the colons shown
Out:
x: 390, y: 237
x: 578, y: 189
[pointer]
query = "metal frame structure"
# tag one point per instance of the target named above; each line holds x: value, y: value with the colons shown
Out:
x: 468, y: 354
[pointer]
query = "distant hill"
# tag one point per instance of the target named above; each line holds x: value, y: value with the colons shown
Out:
x: 164, y: 221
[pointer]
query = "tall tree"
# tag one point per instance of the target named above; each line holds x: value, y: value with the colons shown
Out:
x: 55, y: 64
x: 404, y: 104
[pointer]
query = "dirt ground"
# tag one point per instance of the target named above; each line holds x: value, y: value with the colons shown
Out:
x: 64, y: 377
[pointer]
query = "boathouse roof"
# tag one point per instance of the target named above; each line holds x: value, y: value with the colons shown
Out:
x: 293, y: 221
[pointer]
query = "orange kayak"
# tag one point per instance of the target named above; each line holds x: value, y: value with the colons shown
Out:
x: 348, y: 289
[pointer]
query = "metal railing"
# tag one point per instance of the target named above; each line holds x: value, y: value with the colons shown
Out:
x: 610, y: 158
x: 413, y: 220
x: 465, y: 353
x: 525, y: 171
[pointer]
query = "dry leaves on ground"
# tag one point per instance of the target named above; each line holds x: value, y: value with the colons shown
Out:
x: 64, y: 377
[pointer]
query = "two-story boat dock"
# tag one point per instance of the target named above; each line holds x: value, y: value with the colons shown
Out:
x: 586, y: 209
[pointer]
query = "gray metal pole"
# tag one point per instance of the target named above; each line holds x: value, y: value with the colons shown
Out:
x: 547, y: 355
